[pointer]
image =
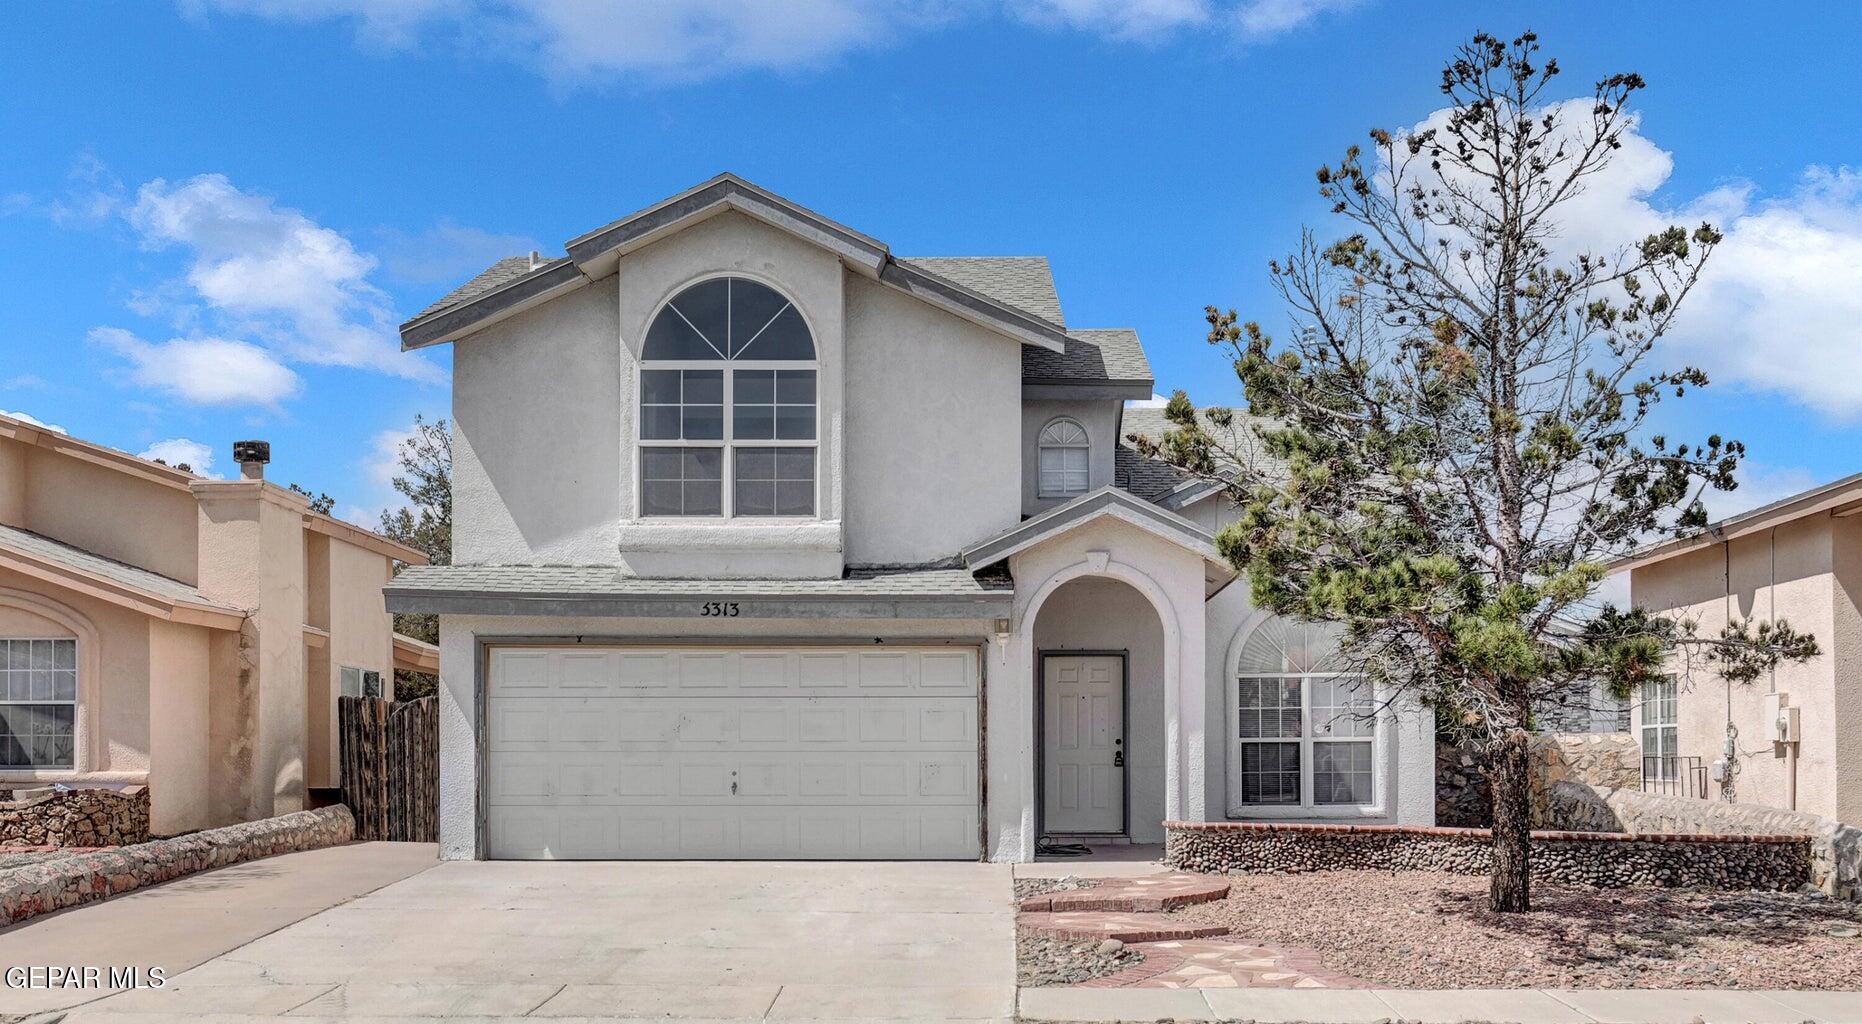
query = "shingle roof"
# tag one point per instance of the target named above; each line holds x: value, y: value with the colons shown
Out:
x: 602, y: 591
x: 38, y: 546
x: 1157, y: 480
x: 1145, y: 477
x: 602, y: 580
x: 1021, y: 281
x: 1096, y: 353
x: 499, y: 274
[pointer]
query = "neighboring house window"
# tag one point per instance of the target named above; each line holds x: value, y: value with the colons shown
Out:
x: 1303, y: 734
x: 38, y: 703
x: 728, y: 405
x: 1659, y: 731
x: 1064, y: 455
x: 360, y: 682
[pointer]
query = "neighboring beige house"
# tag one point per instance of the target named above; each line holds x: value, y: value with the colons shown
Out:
x: 191, y: 635
x: 772, y: 544
x: 1791, y: 741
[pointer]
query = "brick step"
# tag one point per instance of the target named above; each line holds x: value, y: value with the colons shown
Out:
x: 1125, y: 927
x: 1144, y: 895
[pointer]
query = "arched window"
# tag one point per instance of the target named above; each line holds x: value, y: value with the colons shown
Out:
x: 1064, y: 455
x: 1304, y: 729
x: 727, y: 405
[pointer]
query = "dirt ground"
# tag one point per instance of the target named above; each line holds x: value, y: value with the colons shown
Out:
x: 1432, y: 930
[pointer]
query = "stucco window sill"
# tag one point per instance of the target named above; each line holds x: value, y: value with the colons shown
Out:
x: 1308, y: 813
x: 646, y: 535
x: 46, y: 776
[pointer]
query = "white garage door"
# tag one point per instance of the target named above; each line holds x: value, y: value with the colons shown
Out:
x: 773, y: 753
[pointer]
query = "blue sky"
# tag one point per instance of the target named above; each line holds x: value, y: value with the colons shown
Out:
x: 218, y: 210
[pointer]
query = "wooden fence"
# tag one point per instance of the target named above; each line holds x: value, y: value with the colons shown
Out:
x: 391, y: 767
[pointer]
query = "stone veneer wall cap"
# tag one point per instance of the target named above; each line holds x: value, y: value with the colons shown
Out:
x: 47, y: 885
x: 1481, y: 833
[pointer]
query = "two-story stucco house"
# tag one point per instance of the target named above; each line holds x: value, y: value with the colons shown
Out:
x: 161, y: 629
x: 772, y: 544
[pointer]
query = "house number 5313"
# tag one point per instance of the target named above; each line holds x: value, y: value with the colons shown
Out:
x: 724, y: 609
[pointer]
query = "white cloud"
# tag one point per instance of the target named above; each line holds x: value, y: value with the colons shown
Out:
x: 23, y: 418
x: 271, y: 273
x: 448, y: 253
x: 26, y: 382
x: 1779, y: 306
x: 571, y: 41
x: 179, y: 451
x: 1143, y: 20
x: 1264, y: 19
x: 204, y: 370
x: 379, y: 468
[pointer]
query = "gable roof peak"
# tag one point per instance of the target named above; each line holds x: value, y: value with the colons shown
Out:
x: 517, y: 283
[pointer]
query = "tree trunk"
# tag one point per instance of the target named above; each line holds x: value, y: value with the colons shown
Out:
x: 1512, y: 822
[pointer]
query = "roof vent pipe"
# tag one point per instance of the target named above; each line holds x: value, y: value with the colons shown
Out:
x: 536, y: 259
x: 252, y: 457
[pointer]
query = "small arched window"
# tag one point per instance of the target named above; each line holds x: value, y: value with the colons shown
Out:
x: 1064, y: 456
x: 727, y: 405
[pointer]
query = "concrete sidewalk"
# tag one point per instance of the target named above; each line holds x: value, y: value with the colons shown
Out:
x: 181, y: 924
x: 1449, y: 1006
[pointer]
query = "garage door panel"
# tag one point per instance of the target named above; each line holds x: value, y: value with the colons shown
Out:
x: 621, y: 723
x: 732, y: 753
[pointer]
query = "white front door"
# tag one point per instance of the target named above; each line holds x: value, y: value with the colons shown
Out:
x: 791, y: 753
x: 1083, y: 744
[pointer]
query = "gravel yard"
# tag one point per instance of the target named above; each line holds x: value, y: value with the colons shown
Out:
x: 1418, y: 929
x: 1026, y: 887
x: 1040, y: 960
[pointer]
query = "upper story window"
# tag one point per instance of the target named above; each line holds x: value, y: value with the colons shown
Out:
x: 727, y: 423
x: 1064, y: 458
x: 38, y: 703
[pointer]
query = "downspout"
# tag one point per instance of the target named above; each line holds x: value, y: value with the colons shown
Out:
x: 1729, y: 751
x: 1790, y: 749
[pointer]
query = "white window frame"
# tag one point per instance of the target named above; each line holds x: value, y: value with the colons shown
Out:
x: 76, y: 704
x: 1042, y: 446
x: 1659, y: 713
x: 727, y: 444
x: 361, y: 678
x: 1378, y: 742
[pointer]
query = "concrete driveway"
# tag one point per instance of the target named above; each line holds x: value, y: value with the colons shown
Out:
x: 735, y: 941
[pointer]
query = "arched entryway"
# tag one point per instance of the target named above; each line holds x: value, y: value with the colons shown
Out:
x: 1101, y: 736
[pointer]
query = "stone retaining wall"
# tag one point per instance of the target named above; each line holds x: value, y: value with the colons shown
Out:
x: 1599, y: 759
x: 1780, y: 862
x: 76, y: 817
x: 1835, y: 848
x: 54, y: 884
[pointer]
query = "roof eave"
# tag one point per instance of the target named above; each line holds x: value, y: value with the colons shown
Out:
x: 120, y: 593
x: 1087, y: 389
x: 1841, y: 498
x: 558, y: 277
x: 1106, y: 502
x: 980, y: 605
x: 363, y: 538
x: 974, y: 306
